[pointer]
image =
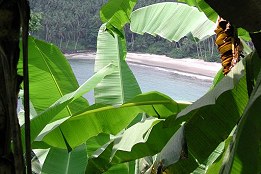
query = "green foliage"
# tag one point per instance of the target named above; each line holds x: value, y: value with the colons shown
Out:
x: 64, y: 22
x: 202, y: 6
x: 50, y: 75
x: 245, y: 158
x: 208, y: 113
x: 68, y: 126
x: 85, y: 23
x: 212, y: 15
x: 185, y: 20
x: 116, y: 13
x: 121, y: 85
x: 35, y: 22
x: 52, y: 116
x: 59, y: 161
x: 101, y: 119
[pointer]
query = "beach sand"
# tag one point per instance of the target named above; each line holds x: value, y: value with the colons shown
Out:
x: 186, y: 65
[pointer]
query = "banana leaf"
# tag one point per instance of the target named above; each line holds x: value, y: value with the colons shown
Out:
x: 116, y: 13
x: 50, y: 77
x: 215, y: 115
x: 38, y: 159
x: 216, y: 167
x: 96, y: 142
x: 245, y: 152
x: 107, y: 119
x: 39, y: 122
x: 120, y: 86
x: 171, y: 21
x: 60, y: 161
x: 204, y: 7
x: 213, y: 16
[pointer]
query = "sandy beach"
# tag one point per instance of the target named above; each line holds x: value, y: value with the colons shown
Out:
x: 186, y: 65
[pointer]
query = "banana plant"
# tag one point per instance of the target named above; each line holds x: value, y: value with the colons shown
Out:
x: 68, y: 127
x: 177, y: 21
x: 209, y: 12
x: 50, y: 75
x: 205, y: 113
x: 120, y: 86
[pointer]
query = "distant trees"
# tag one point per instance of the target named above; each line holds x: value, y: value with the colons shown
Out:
x: 73, y: 26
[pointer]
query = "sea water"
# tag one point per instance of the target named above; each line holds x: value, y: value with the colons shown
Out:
x: 177, y: 85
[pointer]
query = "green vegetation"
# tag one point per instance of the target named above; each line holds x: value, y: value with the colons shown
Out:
x: 127, y: 131
x: 76, y: 30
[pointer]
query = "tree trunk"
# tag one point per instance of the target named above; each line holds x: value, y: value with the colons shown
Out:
x: 132, y: 41
x: 61, y: 41
x: 76, y: 43
x: 11, y: 159
x: 46, y: 33
x: 213, y: 46
x: 67, y: 43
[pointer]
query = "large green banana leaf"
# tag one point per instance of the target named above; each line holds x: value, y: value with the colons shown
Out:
x: 190, y: 165
x: 60, y: 161
x: 215, y: 122
x: 215, y: 115
x: 140, y: 140
x: 212, y: 15
x: 118, y: 169
x: 38, y: 123
x: 55, y: 161
x: 120, y: 86
x: 50, y: 77
x: 214, y: 157
x: 216, y: 167
x: 204, y: 7
x: 116, y: 13
x: 173, y: 151
x: 97, y: 142
x: 172, y: 21
x: 245, y: 152
x: 243, y: 155
x: 222, y: 159
x: 107, y: 119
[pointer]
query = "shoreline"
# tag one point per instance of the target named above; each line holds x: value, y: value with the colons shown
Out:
x: 187, y: 66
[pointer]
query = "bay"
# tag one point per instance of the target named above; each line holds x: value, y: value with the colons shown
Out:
x: 177, y: 85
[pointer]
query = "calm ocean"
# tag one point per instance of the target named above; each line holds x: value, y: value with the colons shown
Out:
x: 179, y: 86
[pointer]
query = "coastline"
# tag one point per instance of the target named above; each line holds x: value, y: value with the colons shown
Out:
x: 185, y: 65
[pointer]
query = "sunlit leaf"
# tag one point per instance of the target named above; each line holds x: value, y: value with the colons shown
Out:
x: 50, y: 77
x: 245, y: 153
x: 60, y: 161
x: 108, y: 119
x: 209, y: 113
x: 116, y: 13
x: 204, y: 7
x: 39, y: 122
x: 120, y: 86
x: 177, y: 21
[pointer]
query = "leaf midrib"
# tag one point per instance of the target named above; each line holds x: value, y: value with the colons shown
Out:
x: 53, y: 77
x: 120, y: 71
x: 124, y: 106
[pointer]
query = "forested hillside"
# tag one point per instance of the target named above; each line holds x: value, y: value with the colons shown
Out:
x: 73, y: 26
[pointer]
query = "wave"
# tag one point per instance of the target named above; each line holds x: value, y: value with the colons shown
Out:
x: 187, y: 74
